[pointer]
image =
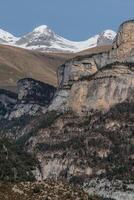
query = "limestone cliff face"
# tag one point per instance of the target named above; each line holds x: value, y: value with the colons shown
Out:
x: 98, y: 81
x: 108, y: 87
x: 124, y: 41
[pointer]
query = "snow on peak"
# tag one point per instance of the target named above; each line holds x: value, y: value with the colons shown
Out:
x: 42, y: 38
x: 109, y: 34
x: 41, y: 29
x: 7, y: 37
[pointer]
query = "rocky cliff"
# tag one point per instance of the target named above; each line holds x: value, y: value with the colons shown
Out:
x: 98, y: 81
x: 33, y: 96
x: 92, y: 130
x: 36, y: 92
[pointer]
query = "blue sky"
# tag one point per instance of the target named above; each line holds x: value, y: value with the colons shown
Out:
x: 73, y: 19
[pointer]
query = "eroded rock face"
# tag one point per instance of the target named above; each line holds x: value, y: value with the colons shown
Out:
x: 108, y: 87
x: 80, y: 67
x: 102, y: 80
x: 74, y: 70
x: 124, y: 41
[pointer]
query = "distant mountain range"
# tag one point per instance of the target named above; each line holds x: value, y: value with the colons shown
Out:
x: 44, y: 39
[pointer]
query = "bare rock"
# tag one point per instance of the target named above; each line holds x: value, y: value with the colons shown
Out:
x: 102, y: 80
x: 108, y: 87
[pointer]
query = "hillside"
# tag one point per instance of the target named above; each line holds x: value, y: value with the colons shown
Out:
x: 17, y: 63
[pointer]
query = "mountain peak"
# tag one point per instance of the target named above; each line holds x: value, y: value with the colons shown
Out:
x: 106, y: 37
x: 109, y: 34
x: 6, y: 36
x: 41, y: 28
x: 42, y: 38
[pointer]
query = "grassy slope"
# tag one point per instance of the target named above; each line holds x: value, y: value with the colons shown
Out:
x: 16, y: 63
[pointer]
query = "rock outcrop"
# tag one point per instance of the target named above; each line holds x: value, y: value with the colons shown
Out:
x: 35, y: 92
x: 98, y: 81
x: 33, y: 96
x: 7, y: 101
x: 124, y: 41
x: 111, y: 85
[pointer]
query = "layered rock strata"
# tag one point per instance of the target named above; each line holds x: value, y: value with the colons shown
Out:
x: 98, y: 81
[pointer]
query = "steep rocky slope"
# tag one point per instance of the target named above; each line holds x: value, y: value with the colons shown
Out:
x: 86, y: 133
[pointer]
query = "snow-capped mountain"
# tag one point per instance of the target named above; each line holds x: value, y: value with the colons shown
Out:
x: 44, y: 39
x: 6, y: 37
x: 106, y: 37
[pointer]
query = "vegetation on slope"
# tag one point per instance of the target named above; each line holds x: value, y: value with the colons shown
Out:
x: 15, y: 163
x: 47, y: 190
x: 101, y: 141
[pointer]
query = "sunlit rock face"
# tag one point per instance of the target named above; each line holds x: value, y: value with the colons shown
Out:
x: 124, y: 41
x: 74, y: 70
x: 99, y: 81
x: 106, y: 88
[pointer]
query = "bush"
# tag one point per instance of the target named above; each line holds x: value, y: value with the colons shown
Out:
x: 36, y: 189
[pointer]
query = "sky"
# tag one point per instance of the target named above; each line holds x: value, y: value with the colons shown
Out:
x: 73, y: 19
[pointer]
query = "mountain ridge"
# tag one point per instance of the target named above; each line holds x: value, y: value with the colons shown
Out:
x: 42, y: 38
